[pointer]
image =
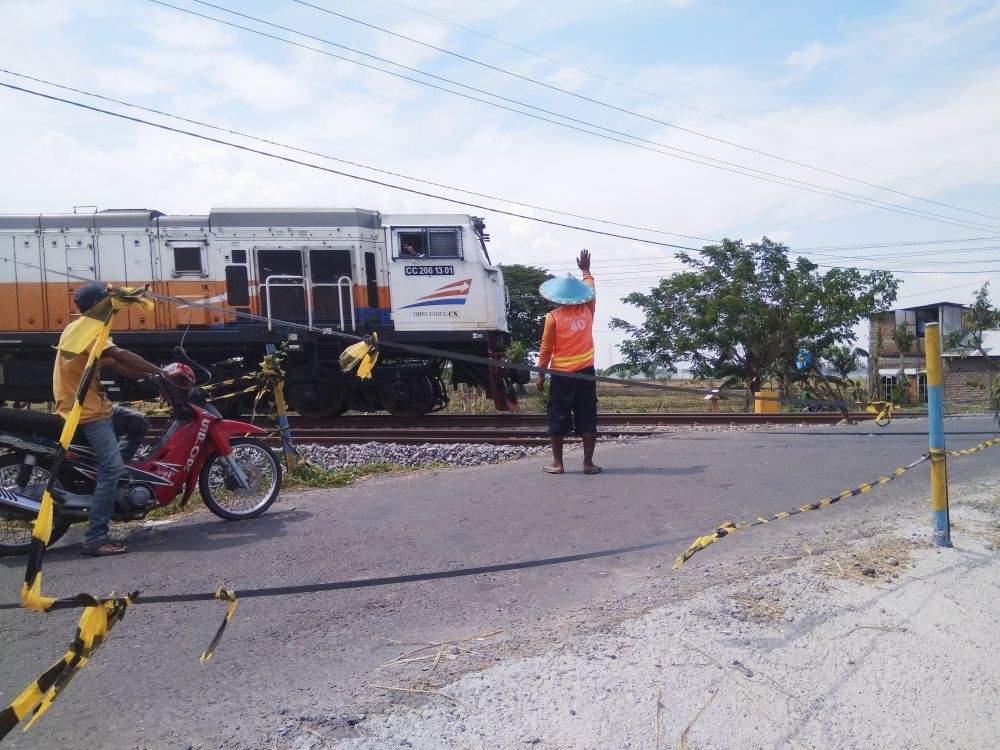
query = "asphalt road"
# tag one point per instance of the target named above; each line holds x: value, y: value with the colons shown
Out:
x: 311, y: 660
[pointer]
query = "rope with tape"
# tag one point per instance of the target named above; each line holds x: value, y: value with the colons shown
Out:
x: 97, y: 620
x: 728, y: 527
x: 458, y: 356
x: 100, y: 615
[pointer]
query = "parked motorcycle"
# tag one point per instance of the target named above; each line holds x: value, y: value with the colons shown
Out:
x: 238, y: 476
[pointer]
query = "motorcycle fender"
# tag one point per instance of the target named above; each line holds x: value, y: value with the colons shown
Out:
x: 189, y: 488
x: 222, y: 431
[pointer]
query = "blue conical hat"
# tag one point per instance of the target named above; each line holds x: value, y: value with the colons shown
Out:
x: 568, y: 290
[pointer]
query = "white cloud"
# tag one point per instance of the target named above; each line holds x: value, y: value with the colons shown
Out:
x: 809, y: 56
x: 55, y: 157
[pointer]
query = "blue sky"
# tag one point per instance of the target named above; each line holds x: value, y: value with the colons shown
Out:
x: 868, y: 98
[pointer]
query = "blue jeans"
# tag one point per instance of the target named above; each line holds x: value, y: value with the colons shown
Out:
x: 101, y: 436
x: 132, y: 426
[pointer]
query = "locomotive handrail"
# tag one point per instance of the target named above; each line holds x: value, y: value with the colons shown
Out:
x: 290, y: 281
x: 343, y: 281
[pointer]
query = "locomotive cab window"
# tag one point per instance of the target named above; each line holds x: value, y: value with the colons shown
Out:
x: 187, y: 261
x: 436, y: 242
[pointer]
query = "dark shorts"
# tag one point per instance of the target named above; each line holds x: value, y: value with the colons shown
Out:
x: 572, y: 405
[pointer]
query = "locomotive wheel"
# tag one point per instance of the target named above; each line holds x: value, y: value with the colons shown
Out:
x: 313, y: 401
x: 408, y: 398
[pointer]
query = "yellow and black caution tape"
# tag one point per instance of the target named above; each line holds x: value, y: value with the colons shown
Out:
x: 89, y: 331
x: 362, y: 355
x: 976, y: 448
x: 223, y: 595
x: 882, y: 411
x: 251, y: 389
x: 95, y: 623
x: 231, y: 381
x: 728, y: 527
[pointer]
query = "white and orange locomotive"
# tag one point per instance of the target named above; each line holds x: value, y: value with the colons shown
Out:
x: 423, y: 279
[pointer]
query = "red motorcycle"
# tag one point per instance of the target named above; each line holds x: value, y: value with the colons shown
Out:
x: 238, y: 476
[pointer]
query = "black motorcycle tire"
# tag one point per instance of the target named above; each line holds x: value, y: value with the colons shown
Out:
x: 217, y: 464
x: 9, y: 547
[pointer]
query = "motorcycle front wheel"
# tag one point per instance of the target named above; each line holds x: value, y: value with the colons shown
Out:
x: 221, y: 491
x: 15, y: 528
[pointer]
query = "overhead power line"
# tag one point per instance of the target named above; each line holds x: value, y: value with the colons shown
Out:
x: 645, y: 92
x: 607, y: 134
x: 309, y: 152
x: 623, y: 110
x: 341, y: 173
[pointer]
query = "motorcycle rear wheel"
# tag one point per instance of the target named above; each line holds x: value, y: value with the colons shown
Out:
x: 15, y: 529
x: 222, y: 494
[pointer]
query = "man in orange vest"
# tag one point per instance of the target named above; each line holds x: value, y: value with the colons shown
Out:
x: 568, y: 346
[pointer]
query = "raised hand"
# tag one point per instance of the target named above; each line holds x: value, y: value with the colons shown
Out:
x: 584, y: 261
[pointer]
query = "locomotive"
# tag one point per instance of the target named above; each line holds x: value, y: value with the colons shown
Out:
x: 305, y: 275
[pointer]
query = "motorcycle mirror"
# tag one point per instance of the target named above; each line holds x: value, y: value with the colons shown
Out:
x: 182, y: 356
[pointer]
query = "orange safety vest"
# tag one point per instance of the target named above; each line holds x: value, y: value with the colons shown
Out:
x: 574, y: 345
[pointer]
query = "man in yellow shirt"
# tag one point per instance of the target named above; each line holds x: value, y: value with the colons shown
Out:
x: 100, y: 422
x: 568, y: 346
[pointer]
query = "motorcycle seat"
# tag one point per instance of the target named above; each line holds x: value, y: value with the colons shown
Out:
x: 37, y: 422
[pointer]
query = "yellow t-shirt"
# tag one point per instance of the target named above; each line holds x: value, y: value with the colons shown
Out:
x: 66, y: 379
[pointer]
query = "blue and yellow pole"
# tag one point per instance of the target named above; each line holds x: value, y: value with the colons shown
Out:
x: 939, y: 458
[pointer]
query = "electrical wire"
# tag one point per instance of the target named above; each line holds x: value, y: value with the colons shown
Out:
x: 635, y: 142
x: 623, y: 110
x: 338, y: 172
x: 677, y: 103
x: 340, y: 160
x: 341, y: 173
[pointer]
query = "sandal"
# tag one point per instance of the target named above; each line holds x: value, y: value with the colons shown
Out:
x: 552, y: 470
x: 592, y: 469
x: 105, y: 549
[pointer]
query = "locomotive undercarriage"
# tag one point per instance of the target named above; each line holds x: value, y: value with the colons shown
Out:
x: 315, y: 387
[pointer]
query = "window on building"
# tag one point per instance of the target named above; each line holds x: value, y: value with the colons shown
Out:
x: 187, y: 260
x: 889, y: 383
x: 920, y: 382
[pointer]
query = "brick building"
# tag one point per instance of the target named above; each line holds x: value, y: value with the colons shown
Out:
x: 966, y: 372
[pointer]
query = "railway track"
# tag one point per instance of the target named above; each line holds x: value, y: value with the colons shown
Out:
x: 513, y: 429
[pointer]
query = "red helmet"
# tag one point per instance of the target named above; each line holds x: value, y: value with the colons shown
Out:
x: 180, y: 374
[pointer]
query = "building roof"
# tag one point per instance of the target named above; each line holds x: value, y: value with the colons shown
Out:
x: 991, y: 345
x: 933, y: 304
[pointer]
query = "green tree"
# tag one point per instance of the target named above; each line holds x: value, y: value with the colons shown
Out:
x: 982, y: 317
x: 526, y: 315
x: 904, y: 339
x: 745, y: 310
x: 843, y: 359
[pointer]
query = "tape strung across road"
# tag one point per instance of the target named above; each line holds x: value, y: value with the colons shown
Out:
x: 100, y: 615
x: 360, y: 583
x: 728, y: 527
x: 472, y: 358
